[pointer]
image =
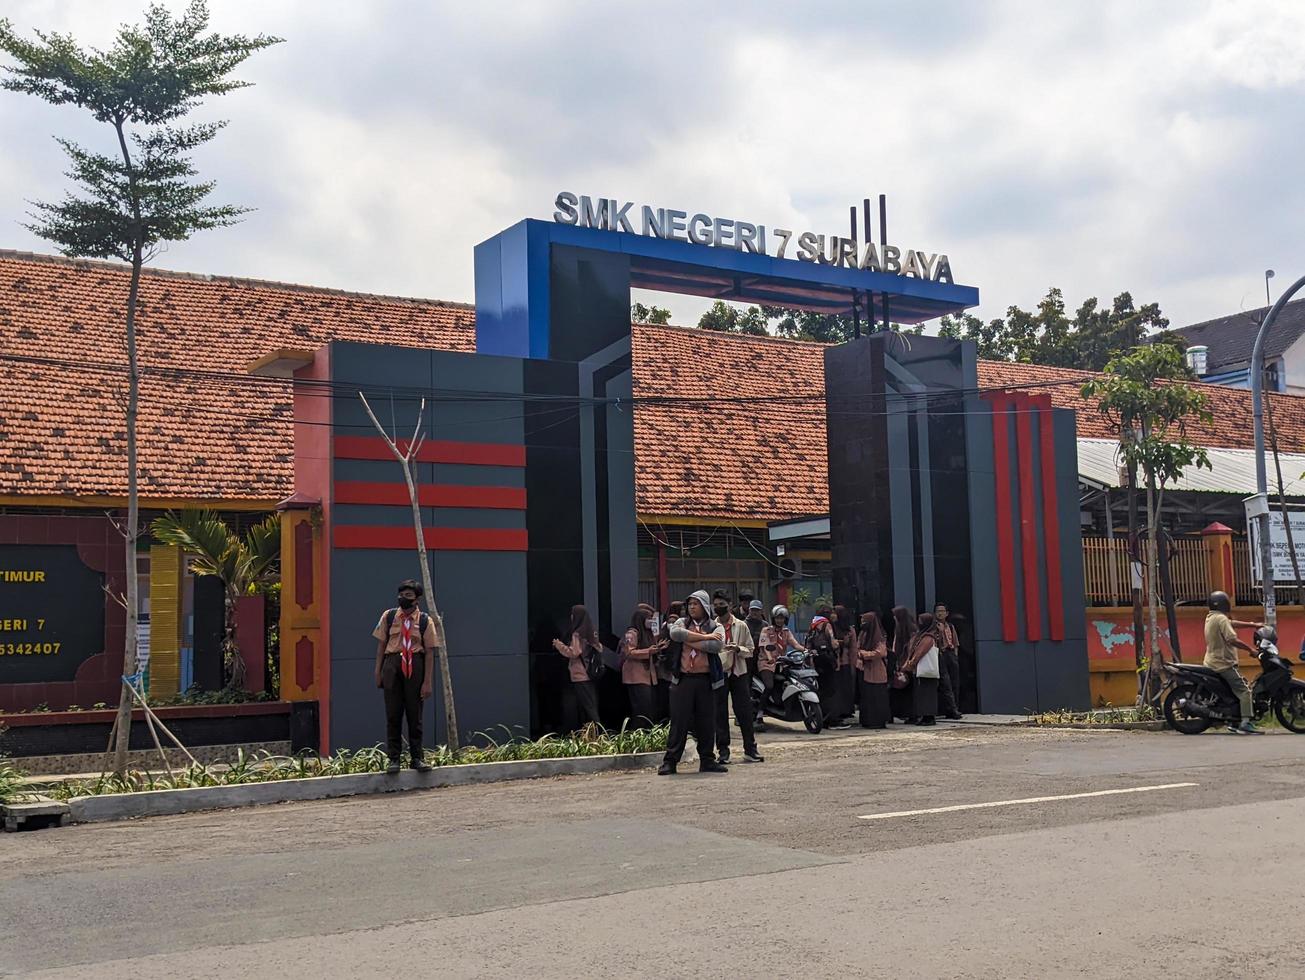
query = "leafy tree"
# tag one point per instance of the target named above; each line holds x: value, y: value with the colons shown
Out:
x: 821, y: 328
x: 649, y: 314
x: 1048, y: 335
x: 730, y: 319
x: 146, y: 193
x: 244, y: 564
x: 1143, y: 393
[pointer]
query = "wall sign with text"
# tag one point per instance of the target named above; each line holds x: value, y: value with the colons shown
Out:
x: 51, y: 613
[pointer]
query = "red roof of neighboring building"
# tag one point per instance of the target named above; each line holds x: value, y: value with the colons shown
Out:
x: 228, y: 436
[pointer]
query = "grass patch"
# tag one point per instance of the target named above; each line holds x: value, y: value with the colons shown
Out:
x: 263, y: 767
x: 1109, y: 715
x: 11, y: 780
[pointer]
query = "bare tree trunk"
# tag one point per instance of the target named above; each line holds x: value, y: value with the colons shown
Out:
x: 123, y: 730
x: 1134, y: 573
x: 1155, y: 656
x: 442, y: 651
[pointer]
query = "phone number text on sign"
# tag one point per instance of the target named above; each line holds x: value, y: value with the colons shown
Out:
x: 29, y: 649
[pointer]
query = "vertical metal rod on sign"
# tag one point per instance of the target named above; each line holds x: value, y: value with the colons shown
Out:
x: 883, y: 247
x: 869, y: 293
x: 856, y: 310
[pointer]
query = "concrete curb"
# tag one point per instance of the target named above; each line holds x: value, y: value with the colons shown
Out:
x: 154, y: 803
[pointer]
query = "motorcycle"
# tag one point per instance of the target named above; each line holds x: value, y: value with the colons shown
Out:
x: 1198, y: 697
x: 794, y: 695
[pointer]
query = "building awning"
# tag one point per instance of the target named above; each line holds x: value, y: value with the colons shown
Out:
x: 1232, y: 470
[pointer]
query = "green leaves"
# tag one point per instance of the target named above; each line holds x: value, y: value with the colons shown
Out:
x: 153, y: 75
x: 1049, y: 336
x: 1144, y: 395
x: 214, y: 549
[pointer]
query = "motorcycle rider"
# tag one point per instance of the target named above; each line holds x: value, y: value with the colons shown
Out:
x: 1221, y: 646
x: 776, y: 640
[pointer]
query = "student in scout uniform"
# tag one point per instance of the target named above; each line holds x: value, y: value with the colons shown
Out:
x: 738, y: 685
x: 696, y: 640
x: 581, y: 646
x: 949, y: 662
x: 405, y: 639
x: 638, y: 672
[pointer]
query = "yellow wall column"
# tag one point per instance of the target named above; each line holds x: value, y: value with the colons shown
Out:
x: 166, y: 578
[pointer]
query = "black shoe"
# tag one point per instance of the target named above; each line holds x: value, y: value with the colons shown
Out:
x: 759, y: 725
x: 666, y: 769
x: 925, y: 722
x: 956, y: 717
x: 713, y: 767
x: 420, y: 765
x: 840, y: 724
x: 723, y: 758
x: 393, y: 768
x: 753, y: 757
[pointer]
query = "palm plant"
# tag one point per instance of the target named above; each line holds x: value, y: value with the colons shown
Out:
x: 244, y: 564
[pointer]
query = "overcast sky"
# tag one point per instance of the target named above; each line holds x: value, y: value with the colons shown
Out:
x: 1097, y: 146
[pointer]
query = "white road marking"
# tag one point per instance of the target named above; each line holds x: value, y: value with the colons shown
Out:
x: 1031, y: 799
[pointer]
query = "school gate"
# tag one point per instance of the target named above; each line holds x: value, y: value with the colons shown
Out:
x: 527, y: 470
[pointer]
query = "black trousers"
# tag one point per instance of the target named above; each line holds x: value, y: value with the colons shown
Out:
x: 643, y: 710
x: 692, y: 706
x: 662, y: 699
x: 581, y: 704
x: 402, y: 700
x: 738, y: 689
x: 949, y: 682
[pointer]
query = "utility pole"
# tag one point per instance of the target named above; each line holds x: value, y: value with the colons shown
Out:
x: 1261, y: 471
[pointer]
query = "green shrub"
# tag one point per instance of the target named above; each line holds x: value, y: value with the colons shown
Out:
x: 263, y: 767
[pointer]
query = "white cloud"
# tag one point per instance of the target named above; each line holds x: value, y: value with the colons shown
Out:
x: 1147, y: 146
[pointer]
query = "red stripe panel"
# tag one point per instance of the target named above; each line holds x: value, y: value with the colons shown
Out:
x: 1051, y: 521
x: 471, y: 453
x: 1005, y: 532
x: 433, y: 495
x: 1028, y: 533
x: 437, y: 538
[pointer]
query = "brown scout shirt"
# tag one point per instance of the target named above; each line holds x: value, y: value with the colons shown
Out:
x: 429, y: 640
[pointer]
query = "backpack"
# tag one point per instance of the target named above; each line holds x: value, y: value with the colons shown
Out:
x: 422, y: 621
x: 593, y: 663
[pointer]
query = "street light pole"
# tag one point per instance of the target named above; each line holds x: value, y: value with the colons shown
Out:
x: 1261, y: 472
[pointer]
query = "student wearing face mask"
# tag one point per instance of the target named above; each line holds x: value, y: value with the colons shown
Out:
x: 405, y: 638
x: 737, y: 687
x: 776, y: 640
x: 638, y: 672
x: 696, y: 642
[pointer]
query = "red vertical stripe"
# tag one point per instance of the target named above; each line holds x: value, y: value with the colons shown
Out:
x: 663, y: 586
x: 1028, y: 526
x: 1005, y: 533
x: 1051, y: 521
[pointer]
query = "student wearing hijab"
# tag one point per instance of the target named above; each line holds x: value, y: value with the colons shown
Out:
x: 638, y: 672
x: 581, y: 648
x: 900, y: 698
x: 697, y: 640
x: 821, y: 645
x: 872, y: 661
x: 922, y: 659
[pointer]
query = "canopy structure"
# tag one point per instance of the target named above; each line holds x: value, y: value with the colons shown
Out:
x: 1232, y: 470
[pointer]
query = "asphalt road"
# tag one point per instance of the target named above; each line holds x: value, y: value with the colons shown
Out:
x: 767, y: 872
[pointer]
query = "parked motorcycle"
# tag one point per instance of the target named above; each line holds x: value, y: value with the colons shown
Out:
x: 794, y: 696
x: 1198, y: 697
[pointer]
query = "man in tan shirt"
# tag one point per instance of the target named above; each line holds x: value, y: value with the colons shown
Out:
x: 405, y: 638
x: 1221, y: 646
x: 737, y: 688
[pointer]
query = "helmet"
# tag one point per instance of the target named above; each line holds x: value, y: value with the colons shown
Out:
x: 779, y: 611
x: 1267, y: 633
x: 1219, y: 602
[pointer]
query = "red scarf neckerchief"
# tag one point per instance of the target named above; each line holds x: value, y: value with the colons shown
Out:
x: 407, y: 641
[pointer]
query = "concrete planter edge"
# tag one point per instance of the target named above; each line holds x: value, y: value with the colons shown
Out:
x: 163, y: 802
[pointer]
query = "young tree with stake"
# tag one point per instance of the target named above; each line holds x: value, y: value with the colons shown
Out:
x: 405, y: 458
x: 1143, y: 394
x: 141, y: 195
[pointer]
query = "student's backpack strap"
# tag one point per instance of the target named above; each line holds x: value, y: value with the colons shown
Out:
x: 389, y: 620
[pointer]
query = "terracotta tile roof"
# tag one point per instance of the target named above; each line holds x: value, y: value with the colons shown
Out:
x: 219, y: 437
x: 200, y: 438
